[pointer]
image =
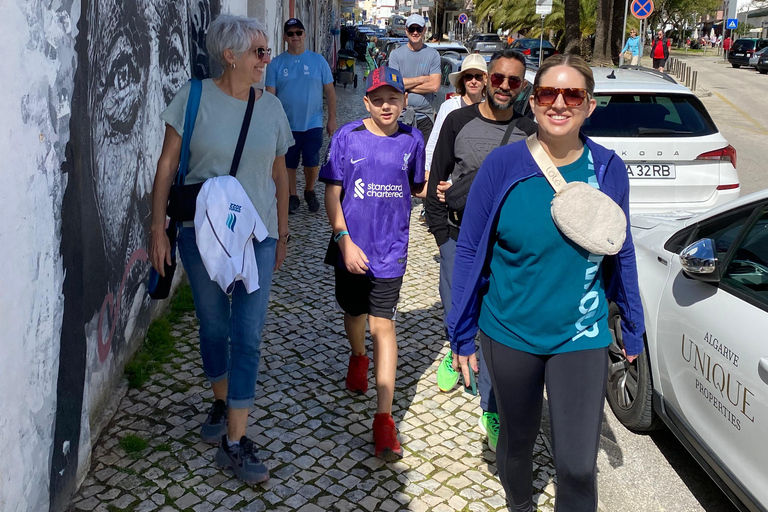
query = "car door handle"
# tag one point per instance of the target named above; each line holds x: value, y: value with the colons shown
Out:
x: 762, y: 369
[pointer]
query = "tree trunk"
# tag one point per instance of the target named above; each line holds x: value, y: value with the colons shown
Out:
x: 617, y: 25
x: 572, y: 17
x: 601, y: 54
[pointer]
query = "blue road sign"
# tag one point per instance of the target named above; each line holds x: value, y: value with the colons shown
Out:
x: 641, y: 9
x: 732, y: 23
x: 463, y: 18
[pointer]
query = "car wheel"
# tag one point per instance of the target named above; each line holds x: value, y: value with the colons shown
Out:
x: 629, y: 389
x: 737, y: 66
x: 763, y: 71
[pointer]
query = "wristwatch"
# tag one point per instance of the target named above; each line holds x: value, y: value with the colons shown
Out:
x: 284, y: 238
x: 338, y: 235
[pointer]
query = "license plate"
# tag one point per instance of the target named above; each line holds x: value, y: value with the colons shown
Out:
x: 739, y: 54
x: 663, y: 171
x: 490, y: 46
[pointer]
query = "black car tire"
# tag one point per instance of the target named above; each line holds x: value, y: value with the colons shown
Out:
x: 629, y: 388
x: 763, y: 71
x: 737, y: 66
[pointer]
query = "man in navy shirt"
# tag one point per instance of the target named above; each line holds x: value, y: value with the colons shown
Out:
x: 299, y: 77
x: 373, y: 167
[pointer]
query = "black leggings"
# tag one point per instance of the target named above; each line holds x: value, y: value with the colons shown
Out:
x: 575, y: 391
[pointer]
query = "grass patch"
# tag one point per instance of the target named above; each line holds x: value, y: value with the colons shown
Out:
x: 163, y: 447
x: 159, y: 345
x: 133, y: 444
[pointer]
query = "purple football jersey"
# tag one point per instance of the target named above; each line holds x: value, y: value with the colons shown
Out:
x: 375, y: 174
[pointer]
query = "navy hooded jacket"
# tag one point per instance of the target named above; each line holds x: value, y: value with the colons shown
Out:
x: 501, y: 170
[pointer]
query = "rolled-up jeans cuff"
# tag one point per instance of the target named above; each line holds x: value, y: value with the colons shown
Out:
x: 240, y: 403
x: 217, y: 378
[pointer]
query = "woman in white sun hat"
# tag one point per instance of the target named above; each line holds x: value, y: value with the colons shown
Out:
x: 470, y: 89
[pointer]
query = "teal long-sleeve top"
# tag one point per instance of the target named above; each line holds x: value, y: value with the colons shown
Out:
x: 633, y: 45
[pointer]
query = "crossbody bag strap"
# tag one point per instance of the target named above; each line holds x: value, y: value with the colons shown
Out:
x: 193, y: 104
x: 508, y: 132
x: 548, y: 168
x: 243, y: 133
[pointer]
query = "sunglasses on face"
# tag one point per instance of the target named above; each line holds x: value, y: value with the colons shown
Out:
x: 469, y: 77
x: 497, y: 80
x: 292, y: 33
x: 263, y: 52
x: 546, y: 96
x: 415, y: 28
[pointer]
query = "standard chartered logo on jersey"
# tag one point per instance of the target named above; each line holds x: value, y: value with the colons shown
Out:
x: 363, y: 190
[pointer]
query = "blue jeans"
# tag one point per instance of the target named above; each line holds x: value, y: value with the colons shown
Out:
x: 447, y: 255
x: 230, y: 333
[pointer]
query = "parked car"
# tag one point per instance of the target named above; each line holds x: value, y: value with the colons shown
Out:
x: 743, y: 49
x: 391, y: 44
x: 762, y: 64
x: 755, y: 58
x: 675, y: 156
x: 443, y: 48
x: 530, y: 48
x: 485, y: 43
x: 704, y: 373
x: 451, y: 63
x: 381, y: 32
x: 396, y: 26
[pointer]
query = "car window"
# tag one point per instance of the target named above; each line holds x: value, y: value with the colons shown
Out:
x: 748, y: 269
x: 447, y: 69
x: 646, y: 115
x: 724, y: 230
x: 743, y: 44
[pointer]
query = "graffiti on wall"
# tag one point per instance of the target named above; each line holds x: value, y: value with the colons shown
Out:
x: 133, y: 55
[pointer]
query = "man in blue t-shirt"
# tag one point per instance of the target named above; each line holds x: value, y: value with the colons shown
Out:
x: 373, y: 167
x: 298, y: 77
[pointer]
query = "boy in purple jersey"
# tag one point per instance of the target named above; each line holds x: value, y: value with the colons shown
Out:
x: 372, y: 168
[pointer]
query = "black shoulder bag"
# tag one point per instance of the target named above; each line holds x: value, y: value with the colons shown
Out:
x: 456, y: 195
x: 183, y: 198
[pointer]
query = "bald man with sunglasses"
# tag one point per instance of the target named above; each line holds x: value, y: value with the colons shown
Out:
x: 467, y: 136
x: 420, y: 67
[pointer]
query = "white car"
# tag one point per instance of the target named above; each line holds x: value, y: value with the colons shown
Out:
x: 676, y: 157
x: 704, y: 373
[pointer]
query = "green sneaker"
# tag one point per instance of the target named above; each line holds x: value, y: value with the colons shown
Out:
x: 489, y: 424
x: 447, y: 377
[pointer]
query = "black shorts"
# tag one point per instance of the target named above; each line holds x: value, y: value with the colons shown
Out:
x: 359, y: 294
x: 659, y: 63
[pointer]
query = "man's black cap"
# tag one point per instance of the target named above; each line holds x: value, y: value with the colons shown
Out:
x: 293, y: 23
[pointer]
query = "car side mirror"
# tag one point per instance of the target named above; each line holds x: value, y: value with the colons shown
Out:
x: 699, y: 261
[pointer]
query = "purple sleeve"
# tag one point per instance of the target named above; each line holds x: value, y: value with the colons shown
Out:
x: 332, y: 171
x: 417, y: 167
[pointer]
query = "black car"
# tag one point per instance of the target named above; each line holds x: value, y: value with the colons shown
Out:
x: 762, y: 64
x: 484, y: 43
x: 743, y: 49
x: 530, y: 48
x: 391, y: 44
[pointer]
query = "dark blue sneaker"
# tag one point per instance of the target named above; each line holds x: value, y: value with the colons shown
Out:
x: 293, y: 204
x: 244, y: 460
x: 215, y: 425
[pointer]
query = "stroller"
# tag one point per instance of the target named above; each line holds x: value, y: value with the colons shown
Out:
x: 345, y: 68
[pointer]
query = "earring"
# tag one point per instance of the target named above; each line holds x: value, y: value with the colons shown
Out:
x: 233, y: 65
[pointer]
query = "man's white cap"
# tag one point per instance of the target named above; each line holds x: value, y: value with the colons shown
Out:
x: 415, y: 19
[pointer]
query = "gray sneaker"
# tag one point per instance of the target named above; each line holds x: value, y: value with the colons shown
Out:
x: 244, y: 461
x: 293, y: 204
x: 215, y: 425
x: 312, y: 203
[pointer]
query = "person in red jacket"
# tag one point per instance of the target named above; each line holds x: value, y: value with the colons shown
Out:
x: 726, y: 47
x: 660, y: 51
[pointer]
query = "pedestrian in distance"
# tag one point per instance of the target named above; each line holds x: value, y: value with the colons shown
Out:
x: 372, y: 168
x: 299, y: 77
x: 370, y: 54
x: 539, y: 300
x: 466, y: 137
x: 230, y: 330
x: 726, y: 47
x: 632, y: 47
x: 660, y: 51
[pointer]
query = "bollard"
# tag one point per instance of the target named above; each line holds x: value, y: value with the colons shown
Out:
x: 693, y: 84
x: 688, y: 77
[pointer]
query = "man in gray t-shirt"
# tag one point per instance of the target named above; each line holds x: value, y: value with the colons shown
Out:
x: 420, y: 67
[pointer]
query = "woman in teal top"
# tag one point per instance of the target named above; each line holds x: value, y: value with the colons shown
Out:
x: 633, y: 46
x: 540, y: 300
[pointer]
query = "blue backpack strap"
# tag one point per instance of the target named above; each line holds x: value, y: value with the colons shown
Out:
x: 193, y: 103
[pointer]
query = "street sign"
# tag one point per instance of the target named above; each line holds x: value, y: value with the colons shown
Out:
x: 732, y: 23
x: 641, y: 9
x: 543, y: 7
x: 463, y: 18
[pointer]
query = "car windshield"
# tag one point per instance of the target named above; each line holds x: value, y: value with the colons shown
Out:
x: 646, y: 115
x: 534, y: 43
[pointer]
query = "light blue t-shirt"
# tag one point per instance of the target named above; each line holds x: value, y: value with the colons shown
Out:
x: 298, y: 81
x: 545, y: 294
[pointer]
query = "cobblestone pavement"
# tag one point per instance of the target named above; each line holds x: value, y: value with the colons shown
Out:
x: 315, y: 436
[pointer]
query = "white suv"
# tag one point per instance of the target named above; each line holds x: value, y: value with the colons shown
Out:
x: 676, y: 157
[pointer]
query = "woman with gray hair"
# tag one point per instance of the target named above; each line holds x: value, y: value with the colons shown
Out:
x: 230, y: 332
